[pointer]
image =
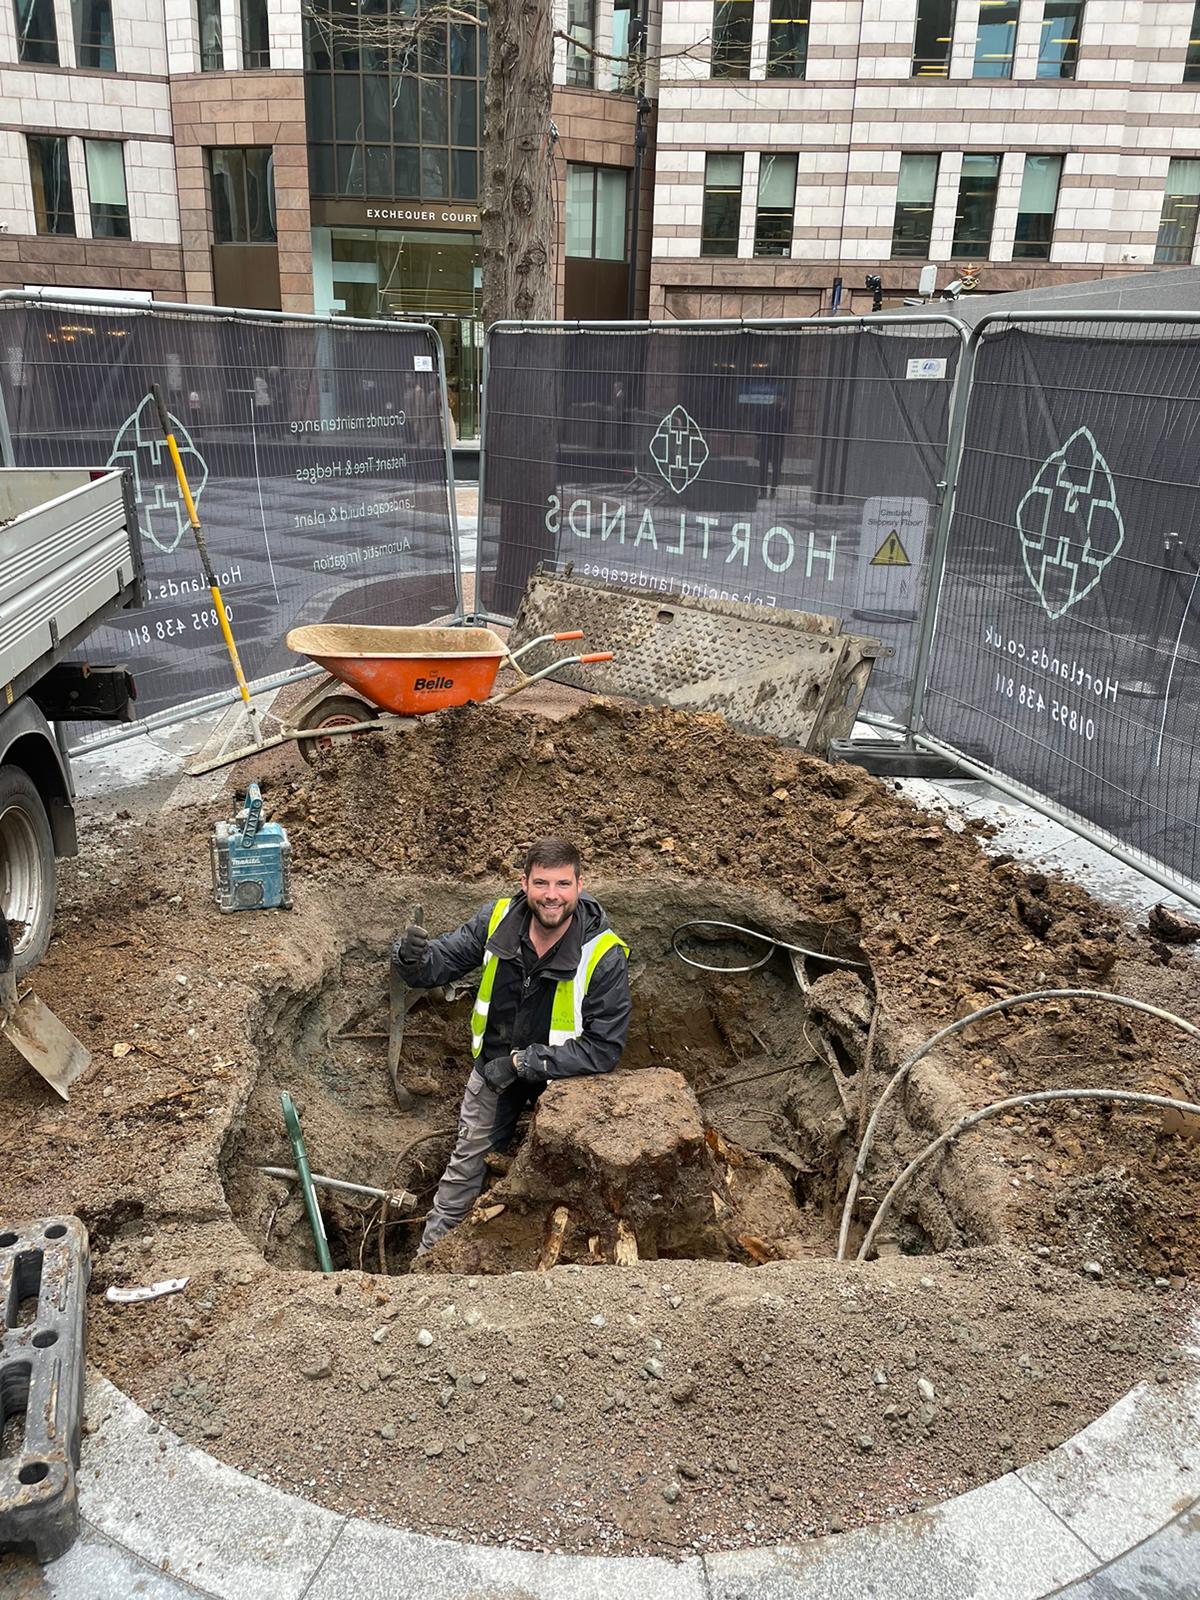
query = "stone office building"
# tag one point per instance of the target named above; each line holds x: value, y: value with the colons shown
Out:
x: 300, y: 155
x: 1014, y: 142
x: 318, y: 155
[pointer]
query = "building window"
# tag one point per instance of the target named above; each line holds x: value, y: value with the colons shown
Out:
x: 94, y: 34
x: 1058, y: 50
x: 776, y: 205
x: 212, y: 48
x: 51, y: 173
x: 722, y: 205
x: 733, y: 25
x: 976, y: 206
x: 256, y: 36
x: 1035, y: 216
x: 1177, y: 225
x: 243, y: 195
x: 787, y: 39
x: 620, y: 80
x: 933, y: 39
x: 915, y: 191
x: 106, y: 188
x: 997, y: 38
x: 37, y: 37
x: 1191, y: 67
x: 596, y: 206
x: 376, y: 126
x: 581, y: 26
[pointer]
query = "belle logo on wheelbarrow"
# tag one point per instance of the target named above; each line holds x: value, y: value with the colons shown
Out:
x: 430, y: 684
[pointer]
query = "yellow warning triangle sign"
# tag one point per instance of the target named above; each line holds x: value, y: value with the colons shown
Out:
x: 891, y: 553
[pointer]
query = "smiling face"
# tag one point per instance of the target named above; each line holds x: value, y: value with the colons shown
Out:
x: 552, y: 893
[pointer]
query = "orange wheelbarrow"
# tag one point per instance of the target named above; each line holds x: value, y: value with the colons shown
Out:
x: 396, y: 674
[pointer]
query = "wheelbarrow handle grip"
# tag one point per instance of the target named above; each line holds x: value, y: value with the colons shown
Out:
x: 587, y: 661
x: 542, y: 638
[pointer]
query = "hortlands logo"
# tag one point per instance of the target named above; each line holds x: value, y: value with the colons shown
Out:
x: 140, y: 448
x: 695, y: 536
x: 1070, y: 524
x: 680, y: 452
x: 679, y: 449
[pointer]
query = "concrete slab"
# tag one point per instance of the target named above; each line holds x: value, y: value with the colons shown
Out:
x: 1131, y: 1471
x: 96, y: 1567
x: 192, y: 1517
x: 1166, y: 1567
x: 374, y: 1563
x: 997, y: 1542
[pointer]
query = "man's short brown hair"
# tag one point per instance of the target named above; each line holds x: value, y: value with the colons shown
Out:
x: 553, y: 853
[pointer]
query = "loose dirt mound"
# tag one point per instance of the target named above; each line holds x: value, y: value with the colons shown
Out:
x: 946, y: 927
x: 792, y: 1396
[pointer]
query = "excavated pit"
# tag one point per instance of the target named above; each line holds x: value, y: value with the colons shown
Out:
x: 736, y: 1149
x: 732, y: 1386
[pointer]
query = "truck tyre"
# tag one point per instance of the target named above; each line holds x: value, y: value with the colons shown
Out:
x: 28, y: 876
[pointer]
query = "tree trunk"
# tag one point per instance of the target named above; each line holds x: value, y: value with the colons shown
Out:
x: 518, y: 218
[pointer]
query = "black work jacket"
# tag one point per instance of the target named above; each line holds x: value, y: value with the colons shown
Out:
x: 523, y: 993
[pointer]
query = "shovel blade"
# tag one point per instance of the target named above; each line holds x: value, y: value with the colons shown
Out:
x: 48, y: 1045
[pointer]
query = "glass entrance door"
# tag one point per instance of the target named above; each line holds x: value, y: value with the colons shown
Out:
x: 429, y: 277
x: 462, y: 340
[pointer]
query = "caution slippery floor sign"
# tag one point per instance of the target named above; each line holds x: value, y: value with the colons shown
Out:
x: 891, y: 549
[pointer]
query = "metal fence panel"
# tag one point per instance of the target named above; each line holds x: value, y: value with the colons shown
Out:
x: 315, y: 451
x: 1067, y: 651
x: 792, y: 464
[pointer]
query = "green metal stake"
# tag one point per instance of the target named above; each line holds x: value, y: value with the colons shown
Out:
x: 316, y: 1221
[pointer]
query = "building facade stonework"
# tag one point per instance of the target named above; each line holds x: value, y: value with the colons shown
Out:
x: 311, y: 156
x: 941, y: 104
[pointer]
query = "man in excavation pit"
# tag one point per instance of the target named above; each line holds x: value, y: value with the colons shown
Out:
x: 553, y: 1002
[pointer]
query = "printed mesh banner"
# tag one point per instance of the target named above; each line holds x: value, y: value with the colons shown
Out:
x: 792, y: 466
x: 1067, y: 652
x: 314, y: 452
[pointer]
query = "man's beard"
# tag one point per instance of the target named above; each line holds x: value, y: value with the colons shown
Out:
x: 562, y: 916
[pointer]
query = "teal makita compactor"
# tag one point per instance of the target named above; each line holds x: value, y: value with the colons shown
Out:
x: 251, y: 860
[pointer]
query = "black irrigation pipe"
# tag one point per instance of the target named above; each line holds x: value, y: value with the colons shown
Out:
x: 957, y: 1026
x: 1128, y: 1096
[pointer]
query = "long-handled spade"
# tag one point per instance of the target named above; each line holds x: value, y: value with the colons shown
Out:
x: 47, y: 1044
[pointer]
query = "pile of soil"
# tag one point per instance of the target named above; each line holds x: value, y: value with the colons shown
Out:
x: 675, y: 1404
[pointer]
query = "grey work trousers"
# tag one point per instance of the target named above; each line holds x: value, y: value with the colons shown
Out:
x: 486, y: 1121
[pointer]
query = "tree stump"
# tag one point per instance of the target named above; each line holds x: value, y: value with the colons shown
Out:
x: 628, y: 1158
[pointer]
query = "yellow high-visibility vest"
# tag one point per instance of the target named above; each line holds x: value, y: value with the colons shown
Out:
x: 566, y: 1017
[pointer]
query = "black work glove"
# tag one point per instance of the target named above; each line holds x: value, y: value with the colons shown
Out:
x: 529, y: 1068
x: 414, y: 944
x: 498, y: 1073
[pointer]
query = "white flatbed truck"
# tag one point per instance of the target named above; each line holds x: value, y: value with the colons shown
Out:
x: 70, y: 559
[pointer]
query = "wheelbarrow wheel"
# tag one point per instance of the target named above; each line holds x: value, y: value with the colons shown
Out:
x: 334, y: 712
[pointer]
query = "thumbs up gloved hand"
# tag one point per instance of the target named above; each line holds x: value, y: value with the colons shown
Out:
x: 413, y: 944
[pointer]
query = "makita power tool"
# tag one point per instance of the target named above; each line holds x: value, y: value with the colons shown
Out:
x: 251, y: 860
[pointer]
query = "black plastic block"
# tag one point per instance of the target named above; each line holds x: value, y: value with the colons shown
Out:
x: 44, y: 1271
